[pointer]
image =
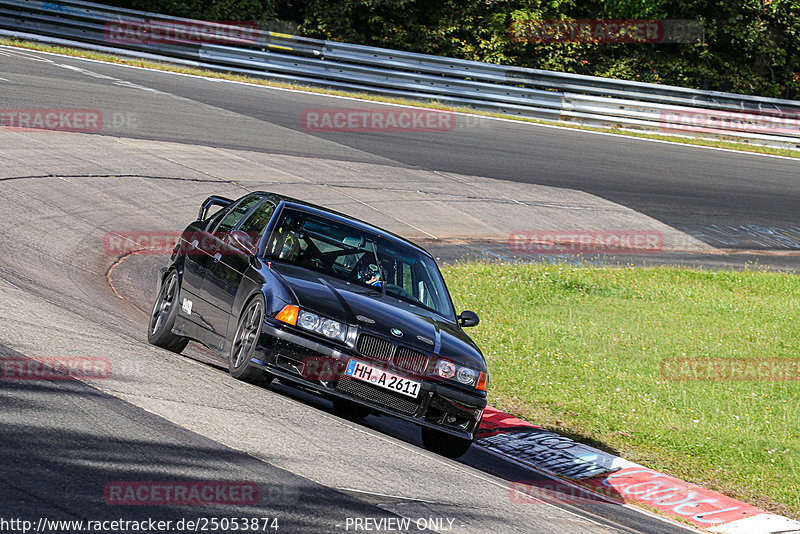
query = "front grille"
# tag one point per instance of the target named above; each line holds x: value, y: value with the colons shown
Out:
x: 375, y: 347
x: 362, y: 390
x: 410, y: 360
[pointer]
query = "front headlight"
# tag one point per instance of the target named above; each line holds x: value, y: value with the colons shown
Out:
x: 326, y: 327
x: 308, y: 320
x: 464, y: 375
x: 467, y: 376
x: 445, y: 369
x: 332, y: 329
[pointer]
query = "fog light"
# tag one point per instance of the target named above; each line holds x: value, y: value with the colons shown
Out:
x: 451, y: 418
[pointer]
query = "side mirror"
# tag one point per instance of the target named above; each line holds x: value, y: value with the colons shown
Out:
x: 468, y: 318
x: 243, y: 242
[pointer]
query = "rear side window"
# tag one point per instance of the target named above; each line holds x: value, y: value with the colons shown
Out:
x: 214, y: 219
x: 236, y: 214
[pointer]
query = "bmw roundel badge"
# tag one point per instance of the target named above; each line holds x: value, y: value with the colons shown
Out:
x: 396, y: 332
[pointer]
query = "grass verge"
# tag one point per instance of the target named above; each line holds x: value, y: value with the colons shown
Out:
x: 579, y: 350
x: 77, y: 52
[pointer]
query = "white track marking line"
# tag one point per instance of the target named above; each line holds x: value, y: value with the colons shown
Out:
x: 14, y: 51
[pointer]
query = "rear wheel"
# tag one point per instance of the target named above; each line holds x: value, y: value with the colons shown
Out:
x: 159, y: 330
x: 345, y: 408
x: 244, y: 343
x: 445, y: 444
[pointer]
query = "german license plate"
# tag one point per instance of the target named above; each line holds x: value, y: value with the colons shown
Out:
x: 382, y: 379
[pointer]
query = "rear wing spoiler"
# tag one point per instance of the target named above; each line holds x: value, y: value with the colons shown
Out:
x: 213, y: 200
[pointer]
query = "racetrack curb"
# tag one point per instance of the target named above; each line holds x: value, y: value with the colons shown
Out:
x: 623, y: 481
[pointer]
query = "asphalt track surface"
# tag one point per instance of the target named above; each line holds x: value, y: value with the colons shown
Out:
x: 677, y: 185
x: 163, y: 417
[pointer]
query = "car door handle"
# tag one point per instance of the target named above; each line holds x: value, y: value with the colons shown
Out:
x: 217, y: 257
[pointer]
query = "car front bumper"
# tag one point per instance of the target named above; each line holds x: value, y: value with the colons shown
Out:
x: 290, y: 356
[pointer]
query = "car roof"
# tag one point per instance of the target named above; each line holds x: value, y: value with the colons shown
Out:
x: 316, y: 209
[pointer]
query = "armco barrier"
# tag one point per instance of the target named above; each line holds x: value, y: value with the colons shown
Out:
x: 519, y: 91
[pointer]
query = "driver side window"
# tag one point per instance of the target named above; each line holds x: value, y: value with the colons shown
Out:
x: 257, y: 222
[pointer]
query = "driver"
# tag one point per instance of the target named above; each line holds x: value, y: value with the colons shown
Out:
x: 285, y: 243
x: 371, y: 275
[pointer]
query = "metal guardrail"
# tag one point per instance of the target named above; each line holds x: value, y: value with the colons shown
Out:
x: 520, y: 91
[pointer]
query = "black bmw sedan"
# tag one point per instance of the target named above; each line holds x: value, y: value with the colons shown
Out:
x: 283, y: 288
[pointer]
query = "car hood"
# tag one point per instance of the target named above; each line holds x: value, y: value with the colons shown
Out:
x: 377, y: 313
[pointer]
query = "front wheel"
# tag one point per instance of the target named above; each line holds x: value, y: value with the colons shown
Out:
x: 445, y: 444
x: 244, y: 343
x: 159, y: 330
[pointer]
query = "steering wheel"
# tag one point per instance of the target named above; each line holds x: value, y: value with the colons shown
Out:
x: 367, y: 272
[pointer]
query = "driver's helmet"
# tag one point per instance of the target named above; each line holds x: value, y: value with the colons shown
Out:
x: 290, y: 247
x: 371, y: 275
x: 285, y: 243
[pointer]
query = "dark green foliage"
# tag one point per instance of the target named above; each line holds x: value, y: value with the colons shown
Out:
x: 751, y: 46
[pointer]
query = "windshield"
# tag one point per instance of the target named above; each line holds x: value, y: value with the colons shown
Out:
x: 348, y: 253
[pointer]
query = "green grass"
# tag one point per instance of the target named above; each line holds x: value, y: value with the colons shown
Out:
x: 577, y: 350
x: 76, y: 52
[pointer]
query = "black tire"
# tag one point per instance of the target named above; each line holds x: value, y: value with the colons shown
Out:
x: 162, y: 319
x: 351, y: 410
x: 445, y: 444
x: 248, y: 330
